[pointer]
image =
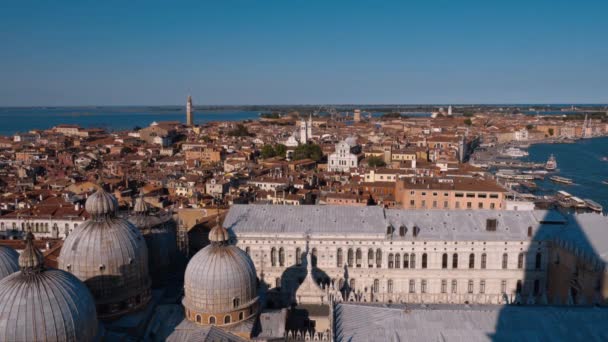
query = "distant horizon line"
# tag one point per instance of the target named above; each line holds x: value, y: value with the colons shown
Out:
x: 513, y: 104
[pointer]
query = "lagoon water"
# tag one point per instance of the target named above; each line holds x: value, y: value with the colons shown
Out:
x: 111, y: 118
x: 580, y: 161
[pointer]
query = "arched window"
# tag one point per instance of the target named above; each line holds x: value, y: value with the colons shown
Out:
x: 536, y: 287
x: 518, y: 287
x: 406, y: 260
x: 444, y: 260
x: 248, y: 251
x: 455, y: 260
x: 273, y: 257
x: 470, y: 287
x: 484, y: 260
x: 412, y: 260
x: 390, y: 260
x: 376, y: 285
x: 520, y: 261
x: 351, y: 257
x: 402, y: 230
x: 530, y: 231
x: 211, y: 319
x: 339, y: 258
x: 472, y: 260
x: 351, y: 284
x: 505, y: 261
x: 277, y: 282
x: 199, y: 319
x: 397, y: 260
x: 424, y: 260
x: 378, y: 258
x: 236, y: 302
x: 313, y: 257
x: 389, y: 286
x: 537, y: 262
x: 281, y: 256
x: 298, y: 256
x: 370, y: 258
x: 359, y: 257
x: 227, y: 319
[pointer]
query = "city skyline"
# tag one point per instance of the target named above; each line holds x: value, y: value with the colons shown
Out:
x: 303, y: 53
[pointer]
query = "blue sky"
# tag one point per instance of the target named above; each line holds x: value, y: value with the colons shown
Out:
x: 299, y: 52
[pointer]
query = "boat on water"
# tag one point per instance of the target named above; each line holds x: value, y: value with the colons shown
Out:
x: 594, y: 206
x: 514, y: 152
x: 562, y: 180
x: 551, y: 164
x: 535, y: 172
x: 605, y: 181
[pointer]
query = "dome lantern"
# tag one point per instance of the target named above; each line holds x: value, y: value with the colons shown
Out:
x: 31, y: 260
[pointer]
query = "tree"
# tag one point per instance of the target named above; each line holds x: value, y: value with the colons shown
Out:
x: 308, y: 151
x: 280, y: 150
x: 551, y: 131
x: 267, y: 152
x: 467, y: 114
x: 468, y: 122
x: 375, y: 161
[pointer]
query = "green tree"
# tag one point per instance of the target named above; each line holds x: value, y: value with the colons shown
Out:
x: 280, y: 150
x: 267, y: 152
x: 468, y: 122
x: 310, y: 151
x: 467, y: 114
x: 375, y: 161
x: 551, y: 131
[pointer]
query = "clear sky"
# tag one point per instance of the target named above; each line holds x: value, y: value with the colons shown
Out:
x: 303, y: 52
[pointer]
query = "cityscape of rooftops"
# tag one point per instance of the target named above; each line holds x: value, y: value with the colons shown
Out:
x: 304, y: 171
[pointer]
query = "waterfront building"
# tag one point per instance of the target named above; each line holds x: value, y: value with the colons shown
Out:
x: 109, y: 255
x: 371, y: 254
x: 456, y: 193
x: 189, y: 113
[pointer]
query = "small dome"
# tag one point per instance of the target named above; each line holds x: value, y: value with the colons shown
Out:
x: 220, y: 279
x: 110, y: 256
x: 8, y: 261
x: 219, y: 234
x: 101, y: 203
x: 45, y: 305
x: 141, y: 206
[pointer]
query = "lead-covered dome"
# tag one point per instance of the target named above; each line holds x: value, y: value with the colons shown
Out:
x: 110, y: 256
x: 8, y: 261
x: 160, y: 238
x: 220, y: 283
x: 38, y: 304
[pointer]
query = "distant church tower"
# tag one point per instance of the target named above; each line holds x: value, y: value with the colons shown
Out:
x: 305, y: 130
x: 357, y: 115
x: 189, y: 118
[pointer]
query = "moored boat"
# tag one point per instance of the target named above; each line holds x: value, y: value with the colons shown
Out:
x: 594, y: 206
x: 551, y: 164
x: 562, y: 180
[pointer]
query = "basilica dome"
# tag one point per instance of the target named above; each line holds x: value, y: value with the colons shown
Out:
x: 160, y: 238
x: 220, y: 283
x: 110, y: 256
x: 8, y: 261
x: 38, y: 304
